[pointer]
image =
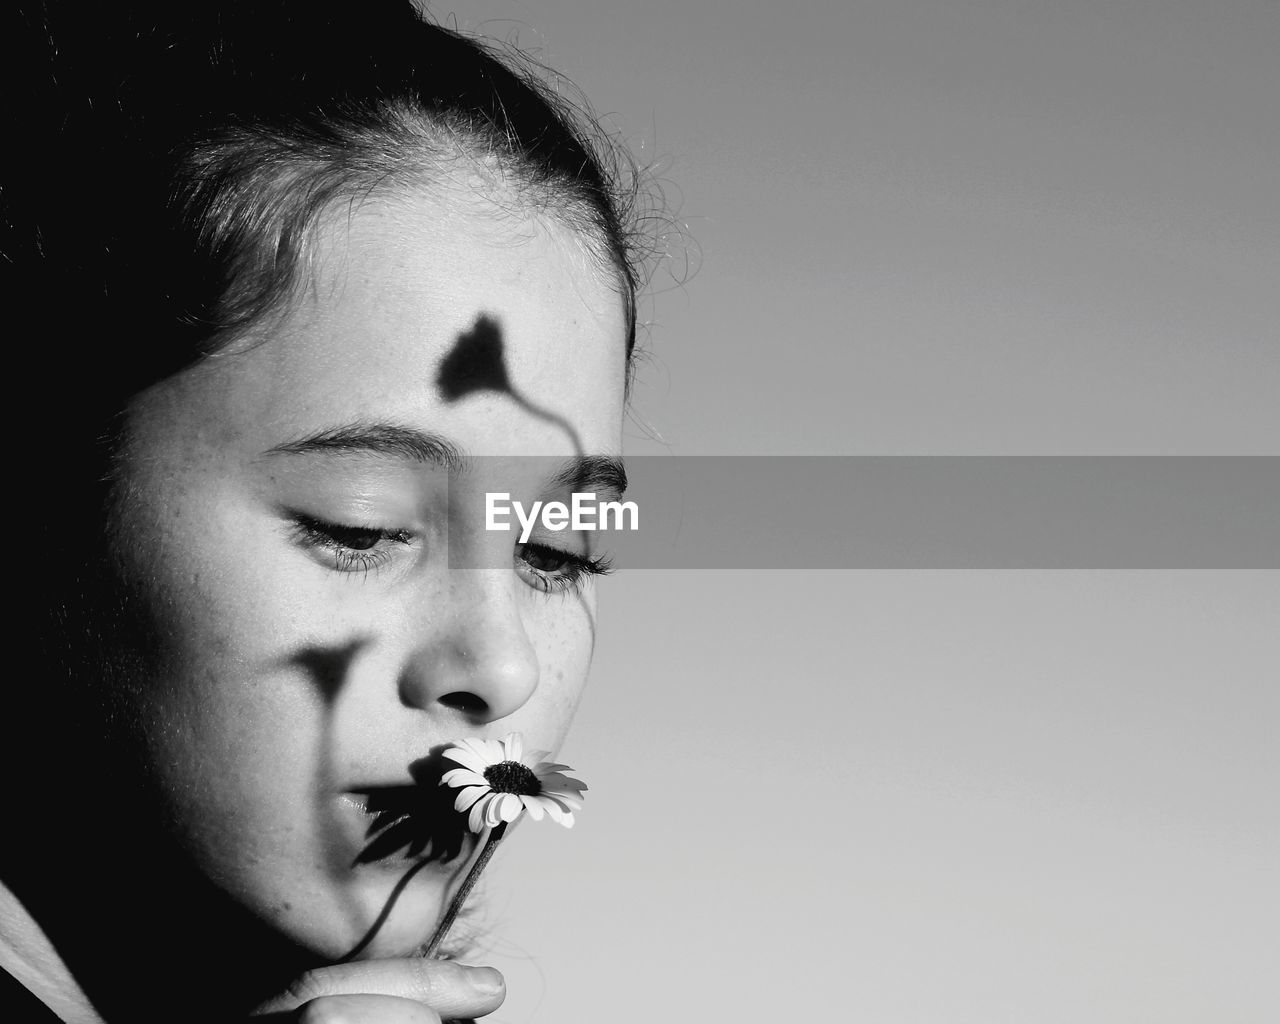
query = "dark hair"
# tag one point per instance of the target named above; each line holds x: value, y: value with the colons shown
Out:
x: 166, y: 167
x: 169, y: 162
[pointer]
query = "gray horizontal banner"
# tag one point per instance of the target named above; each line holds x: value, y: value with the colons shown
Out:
x: 930, y: 512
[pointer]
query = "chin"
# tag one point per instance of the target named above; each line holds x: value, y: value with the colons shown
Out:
x: 413, y: 916
x: 384, y: 911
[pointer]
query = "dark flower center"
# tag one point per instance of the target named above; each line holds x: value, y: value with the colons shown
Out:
x: 512, y: 777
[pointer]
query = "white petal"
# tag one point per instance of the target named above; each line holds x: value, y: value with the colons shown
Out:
x: 554, y: 811
x: 559, y: 814
x: 509, y: 807
x: 515, y: 746
x: 547, y: 767
x: 466, y: 757
x: 569, y: 803
x: 545, y: 772
x: 459, y: 777
x: 535, y: 758
x: 469, y: 796
x: 469, y: 755
x: 557, y: 781
x: 492, y: 751
x: 475, y: 821
x: 477, y: 743
x: 572, y: 794
x: 491, y: 816
x: 533, y: 804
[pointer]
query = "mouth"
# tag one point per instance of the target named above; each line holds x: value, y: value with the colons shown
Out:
x: 409, y: 822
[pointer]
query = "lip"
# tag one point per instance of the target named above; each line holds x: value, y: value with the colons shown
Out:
x: 358, y: 802
x: 397, y: 824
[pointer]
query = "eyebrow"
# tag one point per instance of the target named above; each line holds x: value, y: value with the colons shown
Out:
x: 386, y: 439
x: 598, y: 473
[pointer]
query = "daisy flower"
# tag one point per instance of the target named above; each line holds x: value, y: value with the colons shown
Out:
x: 498, y: 783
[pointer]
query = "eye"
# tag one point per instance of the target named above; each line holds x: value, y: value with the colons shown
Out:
x: 354, y: 537
x: 347, y: 548
x: 554, y: 570
x: 544, y: 559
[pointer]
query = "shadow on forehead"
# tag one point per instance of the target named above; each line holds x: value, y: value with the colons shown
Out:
x: 477, y: 362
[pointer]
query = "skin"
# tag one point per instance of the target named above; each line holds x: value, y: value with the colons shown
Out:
x: 294, y: 669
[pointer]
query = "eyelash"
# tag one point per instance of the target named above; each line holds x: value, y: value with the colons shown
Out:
x: 577, y: 568
x: 356, y: 549
x: 352, y: 548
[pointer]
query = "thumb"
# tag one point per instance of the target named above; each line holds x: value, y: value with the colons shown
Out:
x: 451, y: 989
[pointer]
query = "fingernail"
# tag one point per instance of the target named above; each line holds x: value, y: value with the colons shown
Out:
x: 485, y: 980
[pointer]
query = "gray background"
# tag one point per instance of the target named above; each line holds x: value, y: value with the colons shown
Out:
x: 942, y: 227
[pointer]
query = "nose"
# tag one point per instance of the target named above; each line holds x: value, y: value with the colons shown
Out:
x: 476, y: 657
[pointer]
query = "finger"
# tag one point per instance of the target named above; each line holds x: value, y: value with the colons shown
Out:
x: 449, y: 988
x: 364, y: 1009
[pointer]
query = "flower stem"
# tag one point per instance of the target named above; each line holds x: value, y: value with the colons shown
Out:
x: 468, y: 883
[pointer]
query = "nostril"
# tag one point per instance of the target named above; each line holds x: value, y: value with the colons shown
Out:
x: 480, y: 665
x: 461, y: 700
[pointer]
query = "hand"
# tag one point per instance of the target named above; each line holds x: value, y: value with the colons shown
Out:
x: 413, y: 991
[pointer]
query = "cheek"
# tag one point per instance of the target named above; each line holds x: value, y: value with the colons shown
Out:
x: 221, y: 706
x: 563, y: 628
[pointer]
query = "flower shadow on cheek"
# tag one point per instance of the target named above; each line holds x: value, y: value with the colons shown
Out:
x: 418, y: 819
x: 328, y: 667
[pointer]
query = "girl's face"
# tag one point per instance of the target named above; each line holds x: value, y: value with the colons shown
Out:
x: 289, y: 507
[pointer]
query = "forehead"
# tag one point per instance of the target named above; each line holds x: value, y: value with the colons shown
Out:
x: 398, y: 284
